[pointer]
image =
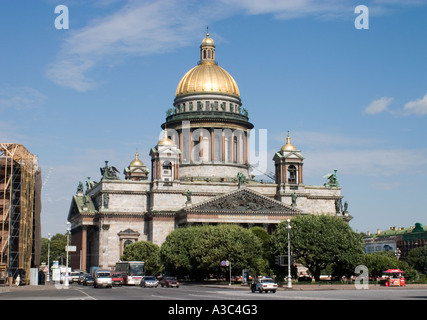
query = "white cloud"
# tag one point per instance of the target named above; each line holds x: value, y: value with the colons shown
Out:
x: 378, y: 106
x: 288, y: 9
x: 137, y: 29
x: 22, y: 98
x: 417, y: 106
x: 150, y: 27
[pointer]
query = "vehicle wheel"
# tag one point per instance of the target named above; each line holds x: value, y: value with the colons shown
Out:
x: 274, y: 291
x: 260, y: 290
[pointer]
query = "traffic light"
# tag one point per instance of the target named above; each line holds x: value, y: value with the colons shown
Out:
x: 281, y: 260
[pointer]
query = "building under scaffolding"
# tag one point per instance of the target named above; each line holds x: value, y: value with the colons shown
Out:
x: 20, y: 208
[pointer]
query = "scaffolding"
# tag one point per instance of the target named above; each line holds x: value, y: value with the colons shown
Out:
x: 18, y: 170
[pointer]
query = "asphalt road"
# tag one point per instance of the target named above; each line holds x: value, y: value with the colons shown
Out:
x: 188, y: 292
x: 210, y: 302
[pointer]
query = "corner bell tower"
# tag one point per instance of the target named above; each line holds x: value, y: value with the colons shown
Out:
x: 288, y: 163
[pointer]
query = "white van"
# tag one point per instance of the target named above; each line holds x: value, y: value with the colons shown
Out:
x: 102, y: 279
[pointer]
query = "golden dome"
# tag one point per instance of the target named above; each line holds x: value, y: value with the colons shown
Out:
x: 288, y: 146
x: 136, y: 162
x: 207, y: 77
x: 166, y: 141
x: 207, y: 41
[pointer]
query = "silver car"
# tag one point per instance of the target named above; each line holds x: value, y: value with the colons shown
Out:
x: 149, y: 281
x: 103, y: 279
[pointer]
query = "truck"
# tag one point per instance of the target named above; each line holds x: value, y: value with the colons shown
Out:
x: 264, y: 284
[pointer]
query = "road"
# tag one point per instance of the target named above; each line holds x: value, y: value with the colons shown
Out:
x: 190, y: 292
x: 214, y: 302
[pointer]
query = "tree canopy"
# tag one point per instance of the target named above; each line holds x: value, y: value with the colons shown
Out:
x: 320, y: 241
x: 144, y: 251
x: 198, y: 251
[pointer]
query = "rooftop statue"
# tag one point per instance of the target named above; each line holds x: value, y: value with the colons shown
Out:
x: 109, y: 173
x: 332, y: 180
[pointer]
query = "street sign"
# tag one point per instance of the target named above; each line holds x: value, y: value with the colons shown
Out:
x: 225, y: 263
x: 71, y: 248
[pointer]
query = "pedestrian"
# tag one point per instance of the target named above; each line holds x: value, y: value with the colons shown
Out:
x: 17, y: 280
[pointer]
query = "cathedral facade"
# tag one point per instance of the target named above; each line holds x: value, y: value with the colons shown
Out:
x: 200, y: 174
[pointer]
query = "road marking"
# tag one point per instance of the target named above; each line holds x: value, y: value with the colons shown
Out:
x: 89, y: 296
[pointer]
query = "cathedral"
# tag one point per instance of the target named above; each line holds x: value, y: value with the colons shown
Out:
x: 200, y: 173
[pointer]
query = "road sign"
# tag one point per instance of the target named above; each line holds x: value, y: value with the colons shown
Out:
x: 225, y: 263
x: 71, y: 248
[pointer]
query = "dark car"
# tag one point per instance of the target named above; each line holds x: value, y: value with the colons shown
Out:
x: 169, y: 282
x: 149, y: 281
x: 87, y: 280
x: 117, y: 279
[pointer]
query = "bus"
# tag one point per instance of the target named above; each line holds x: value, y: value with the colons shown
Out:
x: 132, y: 271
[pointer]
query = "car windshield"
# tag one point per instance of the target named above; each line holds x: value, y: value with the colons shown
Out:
x: 149, y: 278
x: 267, y: 281
x: 104, y: 275
x: 117, y: 275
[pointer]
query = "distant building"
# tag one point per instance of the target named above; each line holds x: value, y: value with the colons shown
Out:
x: 399, y: 240
x: 200, y: 174
x: 20, y: 209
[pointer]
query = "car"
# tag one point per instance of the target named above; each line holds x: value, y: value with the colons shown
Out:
x: 103, y: 279
x: 117, y: 278
x: 81, y: 277
x: 87, y: 280
x: 75, y: 276
x: 149, y: 281
x: 169, y: 282
x: 264, y: 284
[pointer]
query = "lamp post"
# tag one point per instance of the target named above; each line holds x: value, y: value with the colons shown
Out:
x: 289, y: 254
x: 49, y: 238
x: 66, y: 282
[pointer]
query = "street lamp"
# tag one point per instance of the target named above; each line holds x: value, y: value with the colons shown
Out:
x: 49, y: 238
x: 66, y: 267
x: 289, y: 254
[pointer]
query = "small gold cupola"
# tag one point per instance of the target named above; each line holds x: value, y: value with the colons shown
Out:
x: 288, y: 146
x: 207, y: 50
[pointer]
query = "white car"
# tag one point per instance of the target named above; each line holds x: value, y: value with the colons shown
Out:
x: 264, y: 284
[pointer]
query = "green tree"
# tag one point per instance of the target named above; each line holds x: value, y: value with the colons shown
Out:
x: 417, y: 258
x: 378, y: 262
x: 198, y: 251
x: 144, y: 251
x: 264, y: 262
x: 57, y: 248
x: 319, y: 241
x: 174, y: 252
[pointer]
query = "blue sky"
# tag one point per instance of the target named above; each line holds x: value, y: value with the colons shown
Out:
x: 354, y: 100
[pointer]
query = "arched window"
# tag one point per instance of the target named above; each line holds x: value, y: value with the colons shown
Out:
x: 126, y: 243
x: 292, y: 174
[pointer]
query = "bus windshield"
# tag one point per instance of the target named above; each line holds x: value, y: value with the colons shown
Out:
x: 136, y: 269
